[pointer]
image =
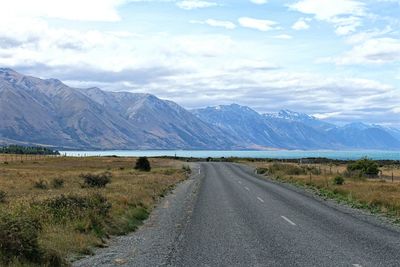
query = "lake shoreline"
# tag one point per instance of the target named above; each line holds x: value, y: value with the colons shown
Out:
x: 255, y: 154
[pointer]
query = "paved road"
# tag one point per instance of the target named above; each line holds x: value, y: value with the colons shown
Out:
x: 225, y: 215
x: 241, y: 220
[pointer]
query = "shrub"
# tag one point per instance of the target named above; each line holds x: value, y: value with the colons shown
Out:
x: 134, y: 217
x: 96, y: 180
x: 41, y: 184
x: 3, y: 196
x: 57, y: 183
x: 288, y: 169
x: 338, y: 180
x: 72, y: 206
x: 143, y: 164
x: 187, y: 169
x: 364, y: 167
x: 262, y: 170
x: 19, y: 238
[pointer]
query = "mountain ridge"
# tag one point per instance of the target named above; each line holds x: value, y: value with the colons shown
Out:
x: 48, y: 112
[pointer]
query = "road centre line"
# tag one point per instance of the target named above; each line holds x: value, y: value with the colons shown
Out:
x: 247, y: 188
x: 259, y: 198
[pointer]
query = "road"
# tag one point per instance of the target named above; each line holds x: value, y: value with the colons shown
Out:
x: 228, y: 216
x: 241, y: 220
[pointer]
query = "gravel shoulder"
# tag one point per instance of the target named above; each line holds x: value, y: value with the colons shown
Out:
x: 153, y: 244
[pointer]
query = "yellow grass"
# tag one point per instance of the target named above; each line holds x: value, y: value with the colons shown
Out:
x: 381, y: 194
x: 129, y: 188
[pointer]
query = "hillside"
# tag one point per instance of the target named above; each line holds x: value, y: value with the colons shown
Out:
x: 47, y: 112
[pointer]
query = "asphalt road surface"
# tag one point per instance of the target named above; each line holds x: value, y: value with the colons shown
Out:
x: 239, y: 219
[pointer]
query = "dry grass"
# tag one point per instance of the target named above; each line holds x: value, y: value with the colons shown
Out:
x: 129, y: 189
x: 378, y: 195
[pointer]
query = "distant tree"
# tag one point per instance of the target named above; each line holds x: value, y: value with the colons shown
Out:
x: 364, y: 166
x: 32, y: 150
x: 143, y: 164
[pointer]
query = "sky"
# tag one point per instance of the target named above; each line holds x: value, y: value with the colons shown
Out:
x: 338, y: 60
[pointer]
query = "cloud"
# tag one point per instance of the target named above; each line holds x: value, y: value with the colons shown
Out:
x: 283, y: 36
x: 259, y: 2
x: 197, y: 69
x: 195, y: 4
x: 258, y: 24
x: 216, y: 23
x: 345, y: 15
x: 372, y: 51
x: 301, y: 24
x: 88, y: 10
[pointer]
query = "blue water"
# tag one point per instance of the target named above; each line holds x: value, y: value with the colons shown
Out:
x: 280, y: 154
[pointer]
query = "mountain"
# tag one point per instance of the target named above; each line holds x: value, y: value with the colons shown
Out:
x: 292, y: 116
x: 269, y: 130
x: 293, y: 130
x: 360, y: 135
x: 163, y: 120
x: 47, y: 112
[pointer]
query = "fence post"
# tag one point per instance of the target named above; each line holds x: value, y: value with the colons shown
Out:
x: 392, y: 177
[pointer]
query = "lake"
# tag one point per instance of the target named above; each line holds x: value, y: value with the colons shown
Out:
x: 278, y: 154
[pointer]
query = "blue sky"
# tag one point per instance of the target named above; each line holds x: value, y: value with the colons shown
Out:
x: 335, y: 59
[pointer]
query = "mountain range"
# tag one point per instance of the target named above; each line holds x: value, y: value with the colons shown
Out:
x: 47, y: 112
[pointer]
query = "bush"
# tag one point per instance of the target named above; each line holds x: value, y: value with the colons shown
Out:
x: 338, y: 180
x: 19, y: 238
x: 286, y: 169
x: 3, y: 196
x: 364, y: 167
x: 41, y: 184
x: 57, y: 183
x: 73, y: 207
x: 143, y: 164
x: 96, y: 180
x: 262, y: 170
x: 187, y: 169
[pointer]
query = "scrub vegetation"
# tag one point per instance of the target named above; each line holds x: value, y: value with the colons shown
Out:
x: 362, y: 184
x: 55, y: 209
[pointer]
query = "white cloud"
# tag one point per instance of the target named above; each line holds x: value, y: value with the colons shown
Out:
x: 328, y: 9
x: 216, y: 23
x: 283, y: 36
x: 345, y: 15
x: 195, y: 4
x: 372, y: 51
x: 259, y: 2
x: 301, y: 24
x: 258, y: 24
x: 87, y: 10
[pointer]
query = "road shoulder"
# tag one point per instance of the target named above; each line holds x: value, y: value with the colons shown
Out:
x: 154, y: 242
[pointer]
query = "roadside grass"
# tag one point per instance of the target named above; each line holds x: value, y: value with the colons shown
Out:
x: 379, y: 195
x: 71, y: 218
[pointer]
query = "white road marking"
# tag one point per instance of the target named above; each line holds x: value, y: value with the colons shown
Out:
x: 239, y: 182
x: 247, y: 188
x: 357, y: 265
x: 289, y: 221
x: 259, y: 198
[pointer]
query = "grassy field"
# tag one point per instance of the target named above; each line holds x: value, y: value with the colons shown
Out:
x: 379, y: 195
x: 48, y: 214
